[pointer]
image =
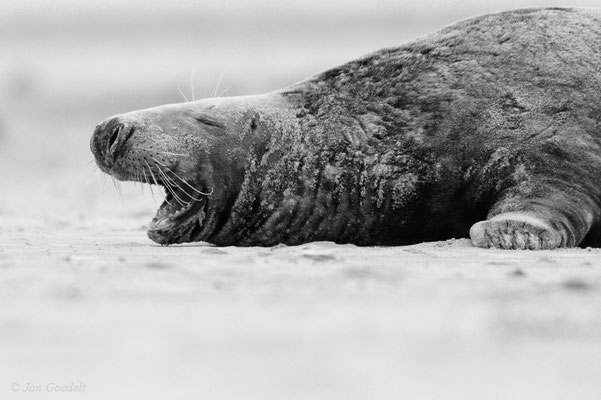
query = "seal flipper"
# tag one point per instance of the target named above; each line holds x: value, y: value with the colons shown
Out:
x: 558, y: 220
x: 517, y: 231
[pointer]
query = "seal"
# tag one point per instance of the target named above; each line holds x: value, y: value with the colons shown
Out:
x: 490, y: 127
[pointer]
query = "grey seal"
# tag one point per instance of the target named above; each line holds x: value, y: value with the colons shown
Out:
x: 488, y: 128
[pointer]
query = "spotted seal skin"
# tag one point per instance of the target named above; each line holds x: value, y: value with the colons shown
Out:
x: 490, y: 128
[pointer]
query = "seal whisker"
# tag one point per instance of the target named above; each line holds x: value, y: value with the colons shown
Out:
x: 172, y: 154
x: 141, y: 183
x: 184, y: 181
x: 104, y: 180
x: 142, y: 174
x: 192, y: 83
x: 214, y: 93
x: 192, y: 187
x: 223, y: 92
x: 117, y: 187
x: 147, y: 180
x: 175, y: 196
x: 140, y: 180
x: 167, y: 180
x: 154, y: 179
x: 158, y: 162
x: 174, y: 183
x: 151, y: 174
x: 182, y: 93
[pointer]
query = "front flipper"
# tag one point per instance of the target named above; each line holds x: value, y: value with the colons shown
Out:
x: 518, y: 231
x: 559, y: 219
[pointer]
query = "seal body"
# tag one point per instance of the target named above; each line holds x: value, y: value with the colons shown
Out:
x: 490, y: 127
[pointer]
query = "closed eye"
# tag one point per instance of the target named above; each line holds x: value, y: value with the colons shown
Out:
x: 203, y: 119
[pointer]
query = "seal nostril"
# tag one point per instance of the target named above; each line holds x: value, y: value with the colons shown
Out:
x: 114, y: 136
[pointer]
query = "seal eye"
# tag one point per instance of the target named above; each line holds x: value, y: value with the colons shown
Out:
x: 203, y: 119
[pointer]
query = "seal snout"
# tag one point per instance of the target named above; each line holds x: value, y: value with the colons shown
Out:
x: 109, y: 139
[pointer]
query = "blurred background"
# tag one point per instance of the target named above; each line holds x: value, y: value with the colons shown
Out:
x: 66, y: 65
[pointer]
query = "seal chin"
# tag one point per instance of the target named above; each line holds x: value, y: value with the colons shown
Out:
x: 179, y: 219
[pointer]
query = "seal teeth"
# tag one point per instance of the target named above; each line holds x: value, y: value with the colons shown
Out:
x: 162, y: 224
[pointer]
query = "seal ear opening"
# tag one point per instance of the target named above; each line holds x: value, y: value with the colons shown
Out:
x: 253, y: 124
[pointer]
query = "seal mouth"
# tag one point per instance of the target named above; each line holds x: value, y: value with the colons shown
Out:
x: 180, y: 217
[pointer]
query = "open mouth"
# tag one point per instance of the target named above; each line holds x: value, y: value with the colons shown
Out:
x: 180, y: 218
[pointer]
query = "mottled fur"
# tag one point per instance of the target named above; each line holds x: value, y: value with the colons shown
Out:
x: 496, y: 115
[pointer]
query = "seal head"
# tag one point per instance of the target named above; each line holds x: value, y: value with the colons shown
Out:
x: 197, y: 152
x: 176, y: 150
